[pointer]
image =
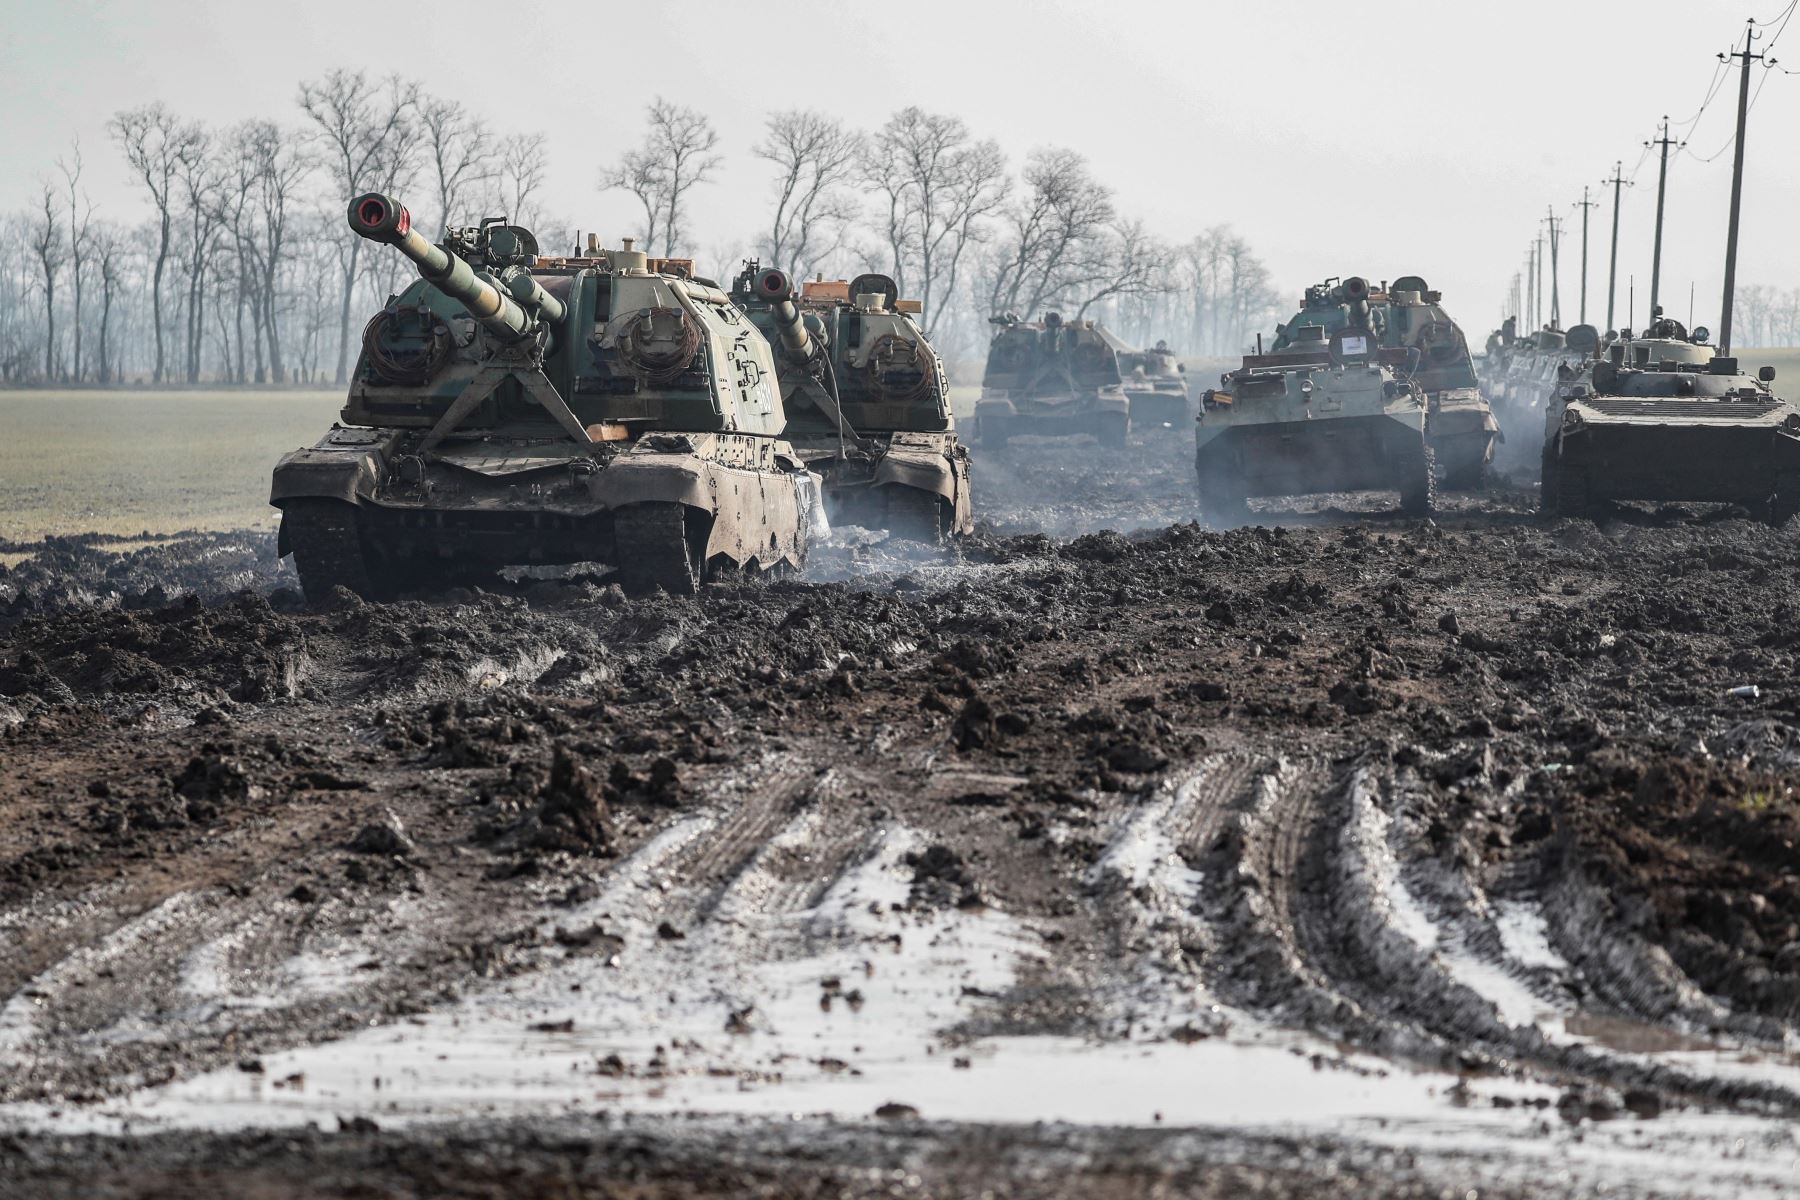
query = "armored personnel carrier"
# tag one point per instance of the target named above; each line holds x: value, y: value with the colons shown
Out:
x: 1051, y: 377
x: 1408, y: 314
x: 1155, y: 384
x: 1327, y: 413
x: 1663, y: 417
x: 867, y: 403
x: 513, y: 408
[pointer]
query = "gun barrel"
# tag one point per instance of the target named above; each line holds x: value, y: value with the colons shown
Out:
x: 382, y: 219
x: 777, y: 290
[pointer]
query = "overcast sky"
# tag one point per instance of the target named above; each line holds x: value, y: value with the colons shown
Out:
x: 1335, y: 140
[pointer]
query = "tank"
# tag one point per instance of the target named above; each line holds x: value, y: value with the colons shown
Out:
x: 1662, y: 417
x: 1329, y: 412
x: 1408, y: 314
x: 1155, y: 384
x: 1051, y: 377
x: 867, y: 401
x: 512, y: 408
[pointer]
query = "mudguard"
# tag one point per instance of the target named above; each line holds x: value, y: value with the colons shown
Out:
x: 346, y: 465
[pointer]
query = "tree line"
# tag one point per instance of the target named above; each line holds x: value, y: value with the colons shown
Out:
x: 244, y: 272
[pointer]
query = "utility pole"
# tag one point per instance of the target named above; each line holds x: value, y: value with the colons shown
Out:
x: 1555, y: 272
x: 1737, y: 186
x: 1585, y: 205
x: 1537, y: 305
x: 1662, y: 184
x: 1612, y: 272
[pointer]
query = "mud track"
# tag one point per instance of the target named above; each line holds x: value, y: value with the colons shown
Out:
x: 1103, y: 855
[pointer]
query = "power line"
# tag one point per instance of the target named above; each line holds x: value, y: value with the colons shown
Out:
x: 1732, y: 140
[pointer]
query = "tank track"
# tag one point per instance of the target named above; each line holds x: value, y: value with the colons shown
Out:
x: 1418, y: 481
x: 1111, y: 429
x: 329, y: 552
x: 1548, y: 482
x: 653, y: 550
x: 914, y: 515
x: 1785, y: 504
x: 1572, y: 491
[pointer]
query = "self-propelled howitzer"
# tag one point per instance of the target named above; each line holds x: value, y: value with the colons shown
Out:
x: 867, y: 402
x: 515, y: 408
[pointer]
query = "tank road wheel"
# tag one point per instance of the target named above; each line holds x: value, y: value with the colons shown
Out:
x: 914, y: 515
x: 1572, y: 498
x: 653, y: 548
x: 1110, y: 429
x: 1222, y: 500
x: 329, y: 551
x: 1418, y: 481
x: 1469, y: 479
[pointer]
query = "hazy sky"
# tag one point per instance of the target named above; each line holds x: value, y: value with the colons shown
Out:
x: 1335, y: 141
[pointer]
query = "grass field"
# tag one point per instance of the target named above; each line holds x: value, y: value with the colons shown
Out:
x: 127, y: 462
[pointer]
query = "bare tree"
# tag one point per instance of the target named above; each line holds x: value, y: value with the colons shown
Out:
x: 108, y: 248
x: 154, y: 141
x: 363, y: 124
x: 280, y: 167
x: 460, y: 153
x: 814, y: 156
x: 1137, y: 265
x: 47, y: 245
x: 201, y: 185
x: 523, y: 165
x: 81, y: 222
x: 676, y: 156
x: 1054, y: 244
x: 937, y: 184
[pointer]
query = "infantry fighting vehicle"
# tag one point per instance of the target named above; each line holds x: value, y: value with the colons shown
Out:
x: 1662, y: 417
x: 1051, y: 377
x: 868, y: 406
x: 1407, y: 314
x: 513, y: 408
x: 1155, y: 384
x: 1328, y: 412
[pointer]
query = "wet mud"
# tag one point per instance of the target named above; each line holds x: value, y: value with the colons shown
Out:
x: 1102, y: 854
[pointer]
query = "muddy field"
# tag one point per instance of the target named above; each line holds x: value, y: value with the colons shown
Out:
x: 1105, y: 855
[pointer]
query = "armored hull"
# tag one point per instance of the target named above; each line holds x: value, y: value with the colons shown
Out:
x: 1052, y: 378
x: 1290, y: 425
x: 1408, y: 316
x: 1662, y: 418
x: 510, y: 408
x: 867, y: 403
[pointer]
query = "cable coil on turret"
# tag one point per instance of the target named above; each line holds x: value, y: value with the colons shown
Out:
x: 658, y: 344
x: 407, y: 366
x: 893, y: 355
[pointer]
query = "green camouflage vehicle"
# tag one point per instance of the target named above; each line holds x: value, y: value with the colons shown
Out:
x: 867, y: 402
x: 511, y: 408
x: 1155, y: 384
x: 1051, y: 377
x: 1663, y: 417
x: 1407, y: 314
x: 1327, y: 413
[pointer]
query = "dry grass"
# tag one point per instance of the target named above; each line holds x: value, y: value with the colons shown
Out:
x: 126, y: 462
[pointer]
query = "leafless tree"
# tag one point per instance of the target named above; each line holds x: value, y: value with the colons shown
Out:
x: 108, y: 249
x: 280, y: 166
x: 815, y: 157
x: 47, y: 245
x: 155, y: 141
x: 1054, y: 244
x: 81, y: 223
x: 1137, y: 264
x: 936, y: 185
x: 523, y: 165
x: 460, y: 151
x: 364, y: 126
x: 675, y: 157
x: 201, y: 183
